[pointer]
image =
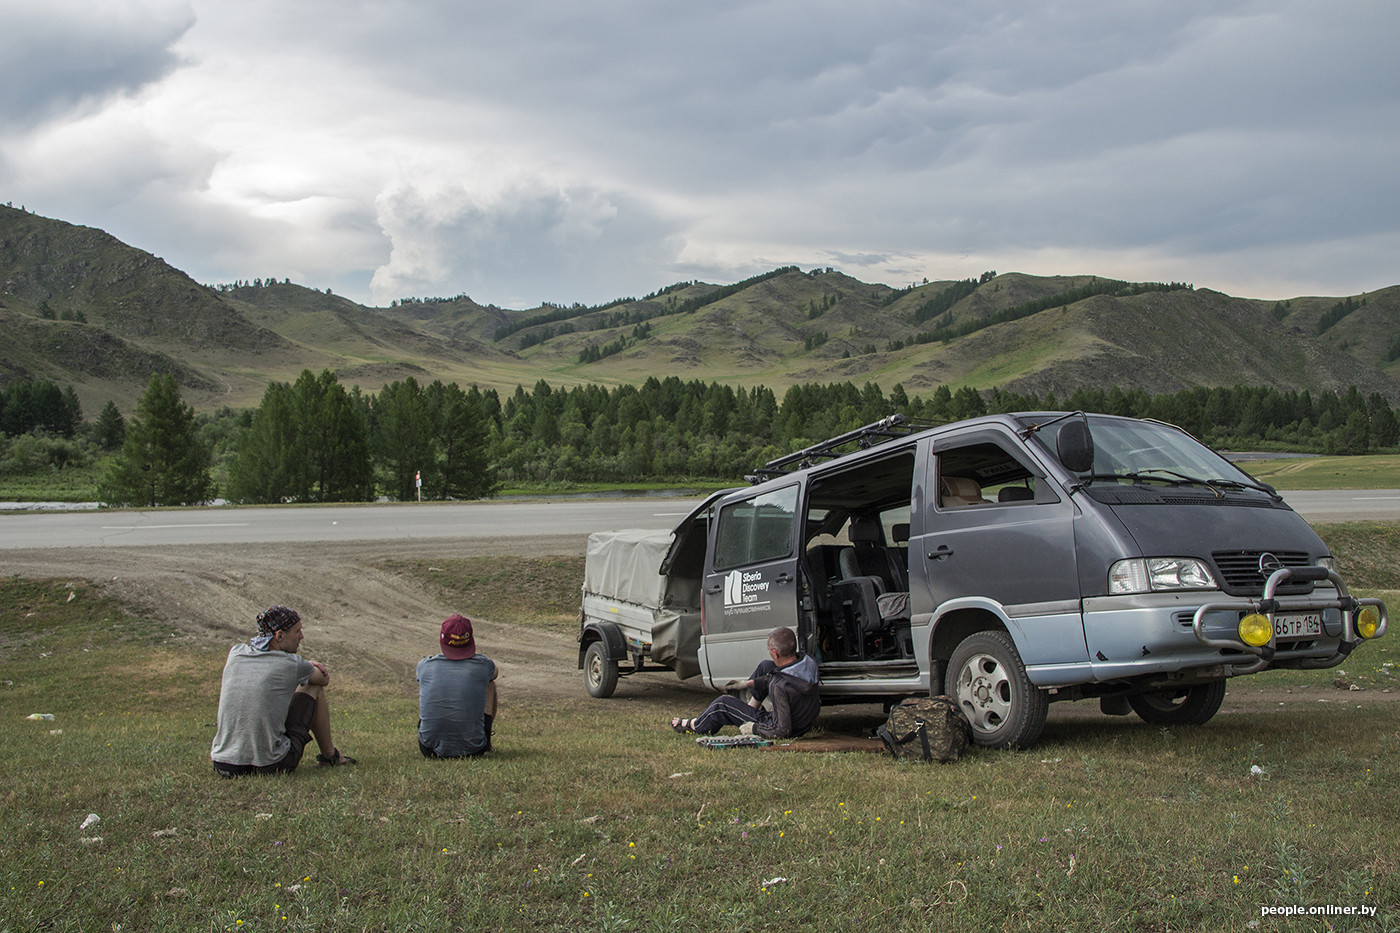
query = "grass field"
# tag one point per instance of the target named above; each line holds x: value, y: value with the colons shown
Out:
x: 594, y: 816
x: 1377, y: 471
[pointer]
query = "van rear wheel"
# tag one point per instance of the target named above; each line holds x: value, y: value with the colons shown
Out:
x: 1185, y: 706
x: 989, y: 683
x: 599, y: 671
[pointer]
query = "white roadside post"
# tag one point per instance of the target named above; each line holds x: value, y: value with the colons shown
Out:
x: 418, y: 482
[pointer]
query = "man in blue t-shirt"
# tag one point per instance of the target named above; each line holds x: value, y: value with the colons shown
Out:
x: 456, y: 695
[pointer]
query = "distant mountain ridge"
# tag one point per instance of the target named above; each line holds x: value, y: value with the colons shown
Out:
x: 79, y: 307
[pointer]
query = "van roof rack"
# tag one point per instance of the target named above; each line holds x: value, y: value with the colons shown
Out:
x: 863, y: 438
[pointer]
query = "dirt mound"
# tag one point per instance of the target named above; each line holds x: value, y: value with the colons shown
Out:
x: 360, y: 615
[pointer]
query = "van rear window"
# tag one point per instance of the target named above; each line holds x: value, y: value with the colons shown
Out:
x: 756, y: 529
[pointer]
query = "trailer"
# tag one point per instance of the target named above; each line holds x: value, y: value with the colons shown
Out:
x: 635, y: 617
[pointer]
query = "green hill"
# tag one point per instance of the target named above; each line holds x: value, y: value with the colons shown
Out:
x: 77, y: 306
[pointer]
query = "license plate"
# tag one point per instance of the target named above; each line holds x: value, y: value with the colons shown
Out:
x: 1297, y: 626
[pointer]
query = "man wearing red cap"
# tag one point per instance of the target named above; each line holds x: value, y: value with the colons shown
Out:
x: 456, y: 695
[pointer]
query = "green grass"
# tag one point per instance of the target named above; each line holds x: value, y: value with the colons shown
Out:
x: 697, y: 487
x: 73, y: 484
x: 594, y: 816
x: 541, y: 591
x: 1374, y: 471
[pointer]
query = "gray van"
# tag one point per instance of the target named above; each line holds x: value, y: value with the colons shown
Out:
x: 1014, y: 560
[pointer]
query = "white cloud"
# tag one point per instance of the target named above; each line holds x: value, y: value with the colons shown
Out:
x: 67, y: 54
x: 557, y: 241
x: 556, y: 151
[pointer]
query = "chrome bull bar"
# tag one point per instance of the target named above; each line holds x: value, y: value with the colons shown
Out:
x: 1271, y: 606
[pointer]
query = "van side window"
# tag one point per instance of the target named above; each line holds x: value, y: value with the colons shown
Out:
x: 981, y: 475
x: 756, y: 529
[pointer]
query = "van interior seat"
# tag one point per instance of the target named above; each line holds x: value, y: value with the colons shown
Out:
x: 960, y: 490
x: 868, y: 557
x: 823, y: 564
x: 873, y: 590
x: 899, y: 550
x: 1016, y: 494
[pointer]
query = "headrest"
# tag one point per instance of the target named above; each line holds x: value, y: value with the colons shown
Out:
x: 900, y: 533
x: 864, y: 531
x: 959, y: 490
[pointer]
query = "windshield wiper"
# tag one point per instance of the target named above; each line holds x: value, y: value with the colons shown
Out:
x: 1261, y: 487
x: 1172, y: 477
x: 1089, y: 480
x: 1181, y: 479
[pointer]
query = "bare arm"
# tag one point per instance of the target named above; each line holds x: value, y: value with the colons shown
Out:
x: 320, y: 676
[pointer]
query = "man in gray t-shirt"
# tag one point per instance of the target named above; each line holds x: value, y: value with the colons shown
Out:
x: 271, y: 702
x: 456, y: 695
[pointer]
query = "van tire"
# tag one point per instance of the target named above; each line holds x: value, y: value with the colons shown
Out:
x: 1185, y: 706
x: 987, y: 679
x: 599, y: 671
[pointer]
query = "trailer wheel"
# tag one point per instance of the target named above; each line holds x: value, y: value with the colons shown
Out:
x: 1187, y: 706
x: 989, y: 682
x: 599, y: 671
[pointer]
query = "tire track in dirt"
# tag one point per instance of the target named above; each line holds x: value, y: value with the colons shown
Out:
x: 362, y: 617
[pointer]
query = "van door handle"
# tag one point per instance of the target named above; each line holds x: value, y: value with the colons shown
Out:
x: 784, y: 578
x: 943, y: 553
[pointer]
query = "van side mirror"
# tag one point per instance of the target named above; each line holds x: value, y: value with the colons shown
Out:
x: 1074, y: 445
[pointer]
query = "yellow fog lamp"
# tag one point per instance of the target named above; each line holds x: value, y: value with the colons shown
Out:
x: 1367, y: 621
x: 1256, y: 630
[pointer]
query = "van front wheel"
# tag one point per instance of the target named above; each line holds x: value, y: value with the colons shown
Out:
x: 1187, y: 706
x: 989, y: 682
x: 599, y: 671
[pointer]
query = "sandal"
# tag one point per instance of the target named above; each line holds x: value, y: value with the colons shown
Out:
x: 334, y: 759
x: 683, y: 726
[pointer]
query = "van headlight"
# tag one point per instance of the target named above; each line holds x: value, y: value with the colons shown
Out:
x: 1158, y: 575
x: 1328, y: 563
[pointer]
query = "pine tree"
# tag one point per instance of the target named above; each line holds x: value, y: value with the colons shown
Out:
x: 262, y: 466
x: 109, y: 430
x: 462, y: 461
x: 334, y: 440
x: 402, y: 432
x: 163, y: 461
x: 307, y: 443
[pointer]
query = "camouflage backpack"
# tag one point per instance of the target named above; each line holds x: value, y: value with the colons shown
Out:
x: 926, y: 729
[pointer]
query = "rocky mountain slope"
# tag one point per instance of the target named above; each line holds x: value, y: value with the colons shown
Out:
x: 79, y: 307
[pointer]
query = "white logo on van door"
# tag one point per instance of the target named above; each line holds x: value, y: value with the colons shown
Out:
x: 745, y: 592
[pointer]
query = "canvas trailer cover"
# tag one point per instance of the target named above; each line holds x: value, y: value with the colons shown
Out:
x: 623, y: 585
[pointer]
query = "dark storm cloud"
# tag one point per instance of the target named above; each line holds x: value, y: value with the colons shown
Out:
x: 58, y: 55
x: 565, y: 151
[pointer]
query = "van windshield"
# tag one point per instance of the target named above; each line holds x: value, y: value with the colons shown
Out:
x: 1149, y: 452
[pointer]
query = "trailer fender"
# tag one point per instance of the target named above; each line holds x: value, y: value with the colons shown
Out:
x: 614, y: 644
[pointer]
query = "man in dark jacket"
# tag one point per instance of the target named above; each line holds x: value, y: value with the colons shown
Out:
x: 790, y: 680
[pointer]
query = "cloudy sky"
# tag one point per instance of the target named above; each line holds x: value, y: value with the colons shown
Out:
x: 566, y: 151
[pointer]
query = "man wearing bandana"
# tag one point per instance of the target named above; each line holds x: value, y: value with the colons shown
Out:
x: 271, y: 703
x: 456, y: 695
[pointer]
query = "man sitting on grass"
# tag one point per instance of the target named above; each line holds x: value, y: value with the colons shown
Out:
x: 456, y: 695
x: 271, y: 702
x: 788, y: 679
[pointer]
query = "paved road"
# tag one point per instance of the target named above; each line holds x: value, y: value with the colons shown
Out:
x: 1346, y: 505
x: 405, y: 521
x: 409, y: 521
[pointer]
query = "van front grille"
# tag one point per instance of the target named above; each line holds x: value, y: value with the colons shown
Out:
x: 1240, y: 572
